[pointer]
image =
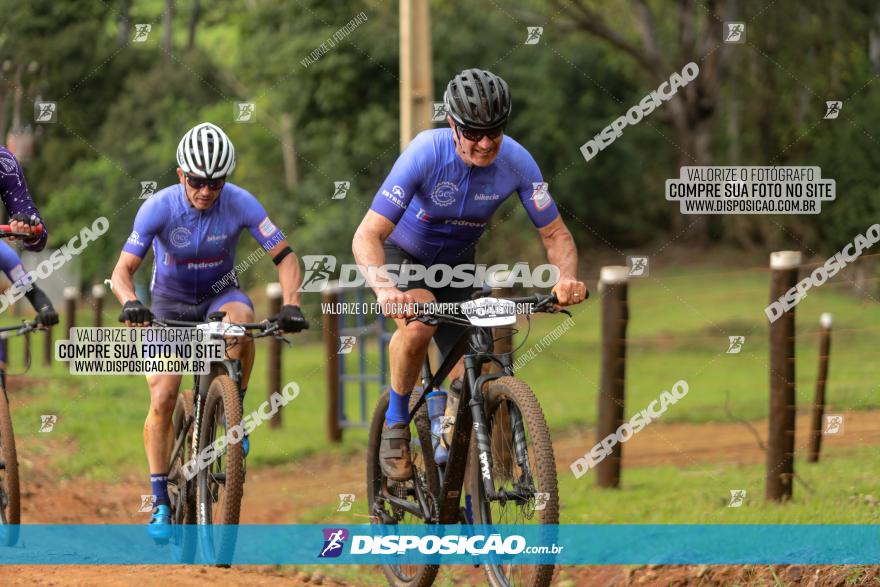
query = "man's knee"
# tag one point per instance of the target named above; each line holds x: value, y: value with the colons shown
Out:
x: 163, y: 395
x: 415, y: 336
x: 237, y: 313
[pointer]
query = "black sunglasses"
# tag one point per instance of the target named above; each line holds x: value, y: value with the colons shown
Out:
x: 198, y: 183
x: 477, y: 135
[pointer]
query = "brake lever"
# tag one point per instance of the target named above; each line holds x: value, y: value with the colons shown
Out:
x: 282, y: 338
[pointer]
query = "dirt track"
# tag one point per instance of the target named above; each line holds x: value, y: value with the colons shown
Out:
x: 276, y: 495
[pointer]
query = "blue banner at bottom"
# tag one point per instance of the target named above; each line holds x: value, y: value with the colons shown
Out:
x: 463, y: 544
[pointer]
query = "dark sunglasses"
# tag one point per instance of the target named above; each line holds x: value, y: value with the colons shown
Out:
x: 198, y: 183
x: 477, y: 135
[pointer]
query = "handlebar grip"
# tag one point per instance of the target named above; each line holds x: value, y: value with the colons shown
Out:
x: 38, y: 229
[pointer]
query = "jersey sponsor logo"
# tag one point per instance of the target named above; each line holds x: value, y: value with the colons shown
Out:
x: 211, y: 238
x: 135, y: 238
x: 167, y: 259
x: 180, y: 236
x: 486, y: 194
x: 444, y: 193
x: 423, y: 216
x: 202, y: 263
x: 395, y: 196
x: 266, y: 227
x: 541, y: 195
x: 462, y: 222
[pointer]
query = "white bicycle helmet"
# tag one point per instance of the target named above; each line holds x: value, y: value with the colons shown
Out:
x: 205, y: 151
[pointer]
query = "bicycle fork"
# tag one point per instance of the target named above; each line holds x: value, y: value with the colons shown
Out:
x: 484, y: 443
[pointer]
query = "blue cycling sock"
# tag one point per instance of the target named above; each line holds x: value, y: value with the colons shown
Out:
x: 160, y: 488
x: 398, y: 408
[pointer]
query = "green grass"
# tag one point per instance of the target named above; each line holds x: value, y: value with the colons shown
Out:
x: 700, y: 494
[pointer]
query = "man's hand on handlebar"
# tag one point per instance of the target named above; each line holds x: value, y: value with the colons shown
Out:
x: 47, y: 316
x: 570, y: 291
x: 395, y: 303
x: 290, y: 319
x: 27, y: 223
x: 134, y: 313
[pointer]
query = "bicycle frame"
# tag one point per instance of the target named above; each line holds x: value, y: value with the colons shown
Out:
x: 470, y: 415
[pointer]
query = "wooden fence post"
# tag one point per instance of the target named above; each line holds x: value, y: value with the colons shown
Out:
x: 98, y: 291
x: 780, y: 440
x: 822, y: 377
x: 70, y: 295
x: 273, y: 295
x: 331, y: 349
x: 615, y: 315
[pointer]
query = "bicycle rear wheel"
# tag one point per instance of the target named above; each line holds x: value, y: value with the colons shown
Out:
x: 399, y: 573
x: 10, y: 505
x: 522, y: 465
x: 221, y: 484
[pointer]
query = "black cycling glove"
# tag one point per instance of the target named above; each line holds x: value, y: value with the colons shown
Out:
x: 135, y: 312
x: 30, y: 220
x: 46, y: 314
x: 290, y: 319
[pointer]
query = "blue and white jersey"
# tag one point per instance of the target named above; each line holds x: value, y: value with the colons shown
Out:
x: 195, y: 249
x: 441, y: 206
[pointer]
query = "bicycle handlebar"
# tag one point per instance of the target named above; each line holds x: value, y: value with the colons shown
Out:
x: 540, y: 303
x: 6, y: 231
x: 22, y: 328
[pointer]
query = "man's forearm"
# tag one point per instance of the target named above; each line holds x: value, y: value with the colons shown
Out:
x: 369, y: 252
x: 122, y: 283
x: 291, y: 279
x: 562, y: 252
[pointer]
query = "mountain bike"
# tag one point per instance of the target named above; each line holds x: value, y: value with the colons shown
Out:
x: 201, y: 416
x: 10, y: 504
x: 509, y: 464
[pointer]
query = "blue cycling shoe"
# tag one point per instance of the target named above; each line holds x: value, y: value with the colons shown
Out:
x: 159, y: 527
x: 246, y: 444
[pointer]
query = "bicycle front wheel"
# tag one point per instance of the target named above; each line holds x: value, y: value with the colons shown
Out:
x: 522, y: 466
x: 220, y: 484
x: 10, y: 506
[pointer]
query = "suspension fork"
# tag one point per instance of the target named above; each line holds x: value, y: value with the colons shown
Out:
x: 484, y: 445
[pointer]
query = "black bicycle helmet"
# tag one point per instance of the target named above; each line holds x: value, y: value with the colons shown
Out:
x: 477, y: 99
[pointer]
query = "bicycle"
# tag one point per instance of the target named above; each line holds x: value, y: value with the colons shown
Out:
x: 510, y: 461
x: 10, y: 501
x: 10, y: 493
x: 201, y: 416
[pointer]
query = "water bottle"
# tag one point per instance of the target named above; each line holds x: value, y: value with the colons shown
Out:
x: 436, y: 401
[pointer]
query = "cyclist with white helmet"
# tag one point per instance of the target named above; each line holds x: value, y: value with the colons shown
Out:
x: 432, y: 209
x: 193, y: 227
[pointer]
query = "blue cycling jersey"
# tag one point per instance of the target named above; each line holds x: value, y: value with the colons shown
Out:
x: 10, y: 264
x: 15, y: 195
x: 441, y: 206
x: 194, y: 250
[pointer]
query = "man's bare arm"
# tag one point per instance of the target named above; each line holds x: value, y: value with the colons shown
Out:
x: 562, y: 252
x: 122, y: 280
x: 288, y: 274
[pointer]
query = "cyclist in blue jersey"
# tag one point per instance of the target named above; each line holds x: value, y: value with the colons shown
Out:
x: 193, y: 227
x: 23, y: 215
x: 432, y: 209
x: 11, y: 266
